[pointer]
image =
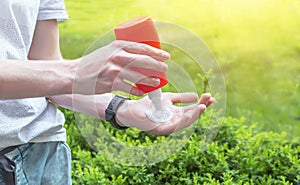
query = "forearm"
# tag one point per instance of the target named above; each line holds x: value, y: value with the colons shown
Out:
x: 25, y: 79
x: 93, y: 105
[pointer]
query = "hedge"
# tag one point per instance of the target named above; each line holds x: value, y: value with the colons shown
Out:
x: 238, y: 154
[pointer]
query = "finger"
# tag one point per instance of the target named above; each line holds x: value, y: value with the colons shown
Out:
x: 125, y: 59
x: 189, y: 107
x: 181, y: 97
x: 144, y: 49
x: 190, y: 117
x: 139, y: 78
x: 120, y: 85
x: 192, y: 107
x: 147, y: 62
x: 204, y: 98
x: 210, y: 101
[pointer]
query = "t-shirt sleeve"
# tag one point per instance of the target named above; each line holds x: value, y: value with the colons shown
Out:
x: 52, y: 9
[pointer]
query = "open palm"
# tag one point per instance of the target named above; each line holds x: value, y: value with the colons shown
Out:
x: 132, y: 112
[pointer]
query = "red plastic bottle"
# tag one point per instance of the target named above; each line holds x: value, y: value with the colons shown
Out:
x: 142, y: 30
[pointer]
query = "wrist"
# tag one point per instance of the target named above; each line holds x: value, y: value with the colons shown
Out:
x: 57, y: 77
x: 71, y: 67
x: 70, y: 70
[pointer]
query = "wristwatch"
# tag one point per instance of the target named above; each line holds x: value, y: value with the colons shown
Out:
x: 110, y: 111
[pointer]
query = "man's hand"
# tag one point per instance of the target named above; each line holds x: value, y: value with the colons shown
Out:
x: 108, y: 68
x: 132, y: 113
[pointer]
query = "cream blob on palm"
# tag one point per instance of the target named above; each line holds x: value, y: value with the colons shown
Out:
x: 159, y: 116
x: 157, y: 112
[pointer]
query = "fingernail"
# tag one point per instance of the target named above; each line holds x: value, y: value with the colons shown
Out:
x: 213, y: 100
x: 156, y: 81
x: 136, y: 92
x: 165, y: 55
x: 139, y: 93
x: 165, y: 66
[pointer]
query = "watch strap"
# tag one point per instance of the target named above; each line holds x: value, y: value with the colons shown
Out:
x: 110, y: 112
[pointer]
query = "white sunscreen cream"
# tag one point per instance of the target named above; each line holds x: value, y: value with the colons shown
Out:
x: 157, y: 112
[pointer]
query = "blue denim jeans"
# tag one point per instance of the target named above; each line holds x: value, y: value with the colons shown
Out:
x: 46, y: 163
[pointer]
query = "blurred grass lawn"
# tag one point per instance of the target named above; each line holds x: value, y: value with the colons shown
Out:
x: 256, y: 42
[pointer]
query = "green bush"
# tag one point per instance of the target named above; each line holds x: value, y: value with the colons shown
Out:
x: 237, y: 155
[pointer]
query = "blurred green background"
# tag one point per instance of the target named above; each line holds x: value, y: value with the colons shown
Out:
x: 256, y: 43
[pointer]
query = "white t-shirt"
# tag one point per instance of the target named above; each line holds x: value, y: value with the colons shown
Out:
x: 31, y: 119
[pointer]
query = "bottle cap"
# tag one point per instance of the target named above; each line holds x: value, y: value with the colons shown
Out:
x: 142, y: 30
